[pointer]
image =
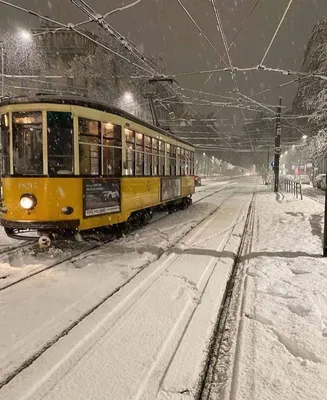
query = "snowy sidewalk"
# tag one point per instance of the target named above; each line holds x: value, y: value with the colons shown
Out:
x: 281, y: 352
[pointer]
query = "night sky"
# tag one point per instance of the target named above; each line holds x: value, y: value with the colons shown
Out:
x: 161, y: 26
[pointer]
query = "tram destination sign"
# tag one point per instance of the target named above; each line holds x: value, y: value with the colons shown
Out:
x: 101, y: 196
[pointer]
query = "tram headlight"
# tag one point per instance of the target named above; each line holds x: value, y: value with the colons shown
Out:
x: 27, y: 201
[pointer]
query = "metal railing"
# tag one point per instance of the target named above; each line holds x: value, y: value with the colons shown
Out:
x: 293, y: 187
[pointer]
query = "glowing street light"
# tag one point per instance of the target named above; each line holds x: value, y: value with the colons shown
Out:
x: 25, y: 35
x: 128, y: 97
x: 304, y: 137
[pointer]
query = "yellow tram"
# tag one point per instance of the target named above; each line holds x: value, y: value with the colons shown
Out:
x: 74, y: 164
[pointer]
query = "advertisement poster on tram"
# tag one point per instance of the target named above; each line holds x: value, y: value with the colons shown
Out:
x: 101, y: 196
x: 170, y: 188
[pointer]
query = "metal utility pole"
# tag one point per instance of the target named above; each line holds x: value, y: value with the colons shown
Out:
x: 2, y: 69
x: 277, y: 144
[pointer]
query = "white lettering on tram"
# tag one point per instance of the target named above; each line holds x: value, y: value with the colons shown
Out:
x: 27, y: 185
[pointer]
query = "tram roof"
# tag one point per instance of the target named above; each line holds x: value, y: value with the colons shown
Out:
x: 84, y: 102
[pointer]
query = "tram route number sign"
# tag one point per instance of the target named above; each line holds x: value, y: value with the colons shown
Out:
x: 101, y: 196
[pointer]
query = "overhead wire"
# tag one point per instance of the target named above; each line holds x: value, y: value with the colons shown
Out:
x: 276, y: 32
x: 243, y: 23
x: 231, y: 69
x: 145, y: 61
x: 220, y: 29
x: 201, y: 31
x: 72, y: 27
x: 90, y: 20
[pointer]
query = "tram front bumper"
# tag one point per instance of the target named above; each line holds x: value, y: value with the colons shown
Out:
x: 41, y: 225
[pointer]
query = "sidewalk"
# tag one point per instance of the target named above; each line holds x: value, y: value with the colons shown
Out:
x: 281, y: 351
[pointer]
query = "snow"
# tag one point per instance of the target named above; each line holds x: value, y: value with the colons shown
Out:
x: 134, y: 318
x: 281, y: 348
x: 136, y: 311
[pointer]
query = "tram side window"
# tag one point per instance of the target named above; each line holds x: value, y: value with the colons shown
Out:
x: 5, y: 144
x: 173, y: 160
x: 178, y: 160
x: 192, y: 163
x: 112, y: 149
x: 27, y: 141
x: 60, y: 143
x: 161, y: 157
x: 129, y: 166
x: 189, y: 170
x: 147, y: 155
x: 155, y: 164
x: 182, y: 162
x: 167, y: 159
x: 139, y: 154
x: 89, y: 146
x: 187, y: 162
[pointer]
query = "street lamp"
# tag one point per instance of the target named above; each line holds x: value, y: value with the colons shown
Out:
x: 304, y: 137
x: 25, y: 35
x: 128, y: 97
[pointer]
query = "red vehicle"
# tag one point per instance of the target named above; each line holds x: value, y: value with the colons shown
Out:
x: 197, y: 180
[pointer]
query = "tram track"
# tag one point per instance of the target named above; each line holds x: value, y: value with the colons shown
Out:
x: 28, y: 247
x: 206, y: 219
x: 219, y: 351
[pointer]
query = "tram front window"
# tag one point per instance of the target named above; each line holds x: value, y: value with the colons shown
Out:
x: 60, y: 143
x: 27, y: 141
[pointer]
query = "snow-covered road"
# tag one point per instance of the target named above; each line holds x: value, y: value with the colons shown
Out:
x: 314, y: 193
x: 120, y: 321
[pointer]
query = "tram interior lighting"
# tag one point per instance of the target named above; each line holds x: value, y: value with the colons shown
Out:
x: 109, y: 126
x: 27, y: 120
